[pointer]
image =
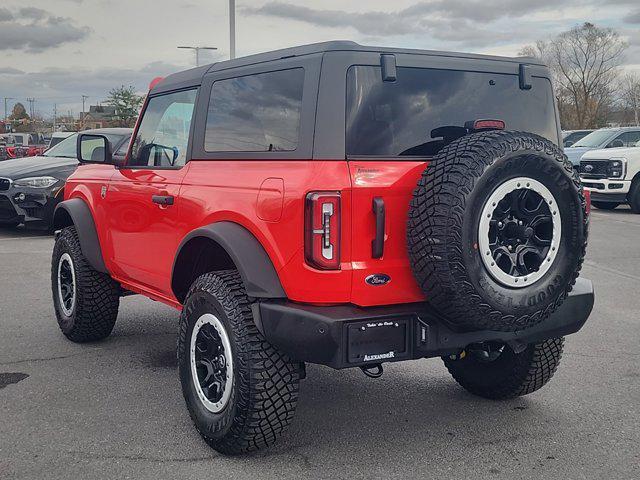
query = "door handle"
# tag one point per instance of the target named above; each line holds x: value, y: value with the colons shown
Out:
x: 162, y: 199
x: 377, y: 245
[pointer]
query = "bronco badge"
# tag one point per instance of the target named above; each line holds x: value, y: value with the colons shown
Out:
x: 378, y: 279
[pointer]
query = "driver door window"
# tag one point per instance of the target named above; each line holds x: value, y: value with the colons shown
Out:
x: 163, y: 135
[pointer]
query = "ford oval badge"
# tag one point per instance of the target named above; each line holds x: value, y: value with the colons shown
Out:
x: 378, y: 279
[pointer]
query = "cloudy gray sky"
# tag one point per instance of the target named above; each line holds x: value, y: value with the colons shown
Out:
x: 57, y: 50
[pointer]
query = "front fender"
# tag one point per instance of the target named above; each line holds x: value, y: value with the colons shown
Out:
x: 77, y: 213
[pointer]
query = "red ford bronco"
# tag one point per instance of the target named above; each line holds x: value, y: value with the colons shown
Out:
x: 333, y: 204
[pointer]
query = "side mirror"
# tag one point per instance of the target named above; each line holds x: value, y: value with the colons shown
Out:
x: 93, y: 148
x: 617, y: 143
x: 568, y: 143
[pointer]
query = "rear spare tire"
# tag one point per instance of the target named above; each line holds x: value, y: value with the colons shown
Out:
x: 497, y: 230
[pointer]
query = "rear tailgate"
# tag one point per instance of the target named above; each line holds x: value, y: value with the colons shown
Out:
x: 393, y: 182
x: 394, y: 124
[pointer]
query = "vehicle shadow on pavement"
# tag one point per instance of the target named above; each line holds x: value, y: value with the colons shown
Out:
x: 22, y: 232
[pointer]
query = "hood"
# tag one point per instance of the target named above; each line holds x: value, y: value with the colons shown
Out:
x: 575, y: 153
x: 607, y: 153
x: 37, y: 166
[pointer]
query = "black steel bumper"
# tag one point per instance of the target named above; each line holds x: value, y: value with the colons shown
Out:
x: 347, y: 336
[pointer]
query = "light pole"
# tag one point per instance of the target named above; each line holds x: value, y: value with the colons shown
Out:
x: 5, y: 110
x: 84, y: 97
x: 197, y: 50
x: 232, y: 29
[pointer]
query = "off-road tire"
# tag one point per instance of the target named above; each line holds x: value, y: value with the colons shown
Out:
x: 442, y: 230
x: 634, y: 196
x: 604, y: 205
x: 510, y: 375
x: 265, y: 381
x: 97, y: 294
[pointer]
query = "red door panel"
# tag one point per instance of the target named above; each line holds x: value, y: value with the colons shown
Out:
x: 144, y: 235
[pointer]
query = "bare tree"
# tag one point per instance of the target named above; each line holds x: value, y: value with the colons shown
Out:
x: 630, y: 95
x: 585, y: 62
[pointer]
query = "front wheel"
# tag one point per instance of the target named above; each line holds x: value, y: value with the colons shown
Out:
x: 497, y: 372
x: 240, y: 391
x: 86, y: 301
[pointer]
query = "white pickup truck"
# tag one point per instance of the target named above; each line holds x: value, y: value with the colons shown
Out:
x: 612, y: 176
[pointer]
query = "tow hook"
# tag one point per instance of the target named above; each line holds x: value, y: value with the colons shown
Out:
x: 373, y: 371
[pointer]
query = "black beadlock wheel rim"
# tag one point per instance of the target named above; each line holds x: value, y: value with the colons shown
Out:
x: 519, y: 232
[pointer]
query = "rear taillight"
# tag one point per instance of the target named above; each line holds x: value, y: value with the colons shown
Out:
x: 322, y: 230
x: 587, y: 198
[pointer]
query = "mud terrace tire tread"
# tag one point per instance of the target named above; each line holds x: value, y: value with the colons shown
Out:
x: 529, y: 371
x: 266, y: 381
x: 97, y: 294
x: 435, y: 228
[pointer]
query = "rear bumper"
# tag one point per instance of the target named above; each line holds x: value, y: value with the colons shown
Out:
x: 338, y: 336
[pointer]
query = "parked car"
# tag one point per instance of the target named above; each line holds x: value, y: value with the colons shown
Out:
x: 30, y: 188
x: 57, y: 137
x: 339, y: 205
x: 613, y: 177
x: 23, y: 144
x: 569, y: 137
x: 619, y: 137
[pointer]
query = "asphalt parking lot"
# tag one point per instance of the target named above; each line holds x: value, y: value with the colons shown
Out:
x: 115, y: 410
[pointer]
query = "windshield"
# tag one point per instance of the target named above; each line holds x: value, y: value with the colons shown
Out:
x: 594, y: 140
x: 67, y: 147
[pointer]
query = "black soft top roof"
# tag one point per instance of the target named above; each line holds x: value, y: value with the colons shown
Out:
x: 193, y: 77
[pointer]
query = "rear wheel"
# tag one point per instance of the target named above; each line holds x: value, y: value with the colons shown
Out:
x: 497, y: 230
x: 240, y: 391
x: 604, y: 205
x: 495, y: 371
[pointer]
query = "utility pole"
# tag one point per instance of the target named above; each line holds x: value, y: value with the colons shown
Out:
x: 31, y: 102
x: 232, y: 29
x: 197, y: 50
x: 55, y: 114
x: 84, y: 97
x: 5, y: 110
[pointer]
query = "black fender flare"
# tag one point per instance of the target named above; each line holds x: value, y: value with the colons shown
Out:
x: 247, y: 253
x: 77, y: 213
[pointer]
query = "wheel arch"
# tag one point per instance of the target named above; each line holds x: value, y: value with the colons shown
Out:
x: 76, y: 212
x: 222, y: 246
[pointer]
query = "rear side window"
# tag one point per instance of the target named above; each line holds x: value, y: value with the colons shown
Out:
x: 629, y: 139
x: 409, y: 117
x: 255, y: 113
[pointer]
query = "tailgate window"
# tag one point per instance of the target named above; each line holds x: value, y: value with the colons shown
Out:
x: 406, y: 117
